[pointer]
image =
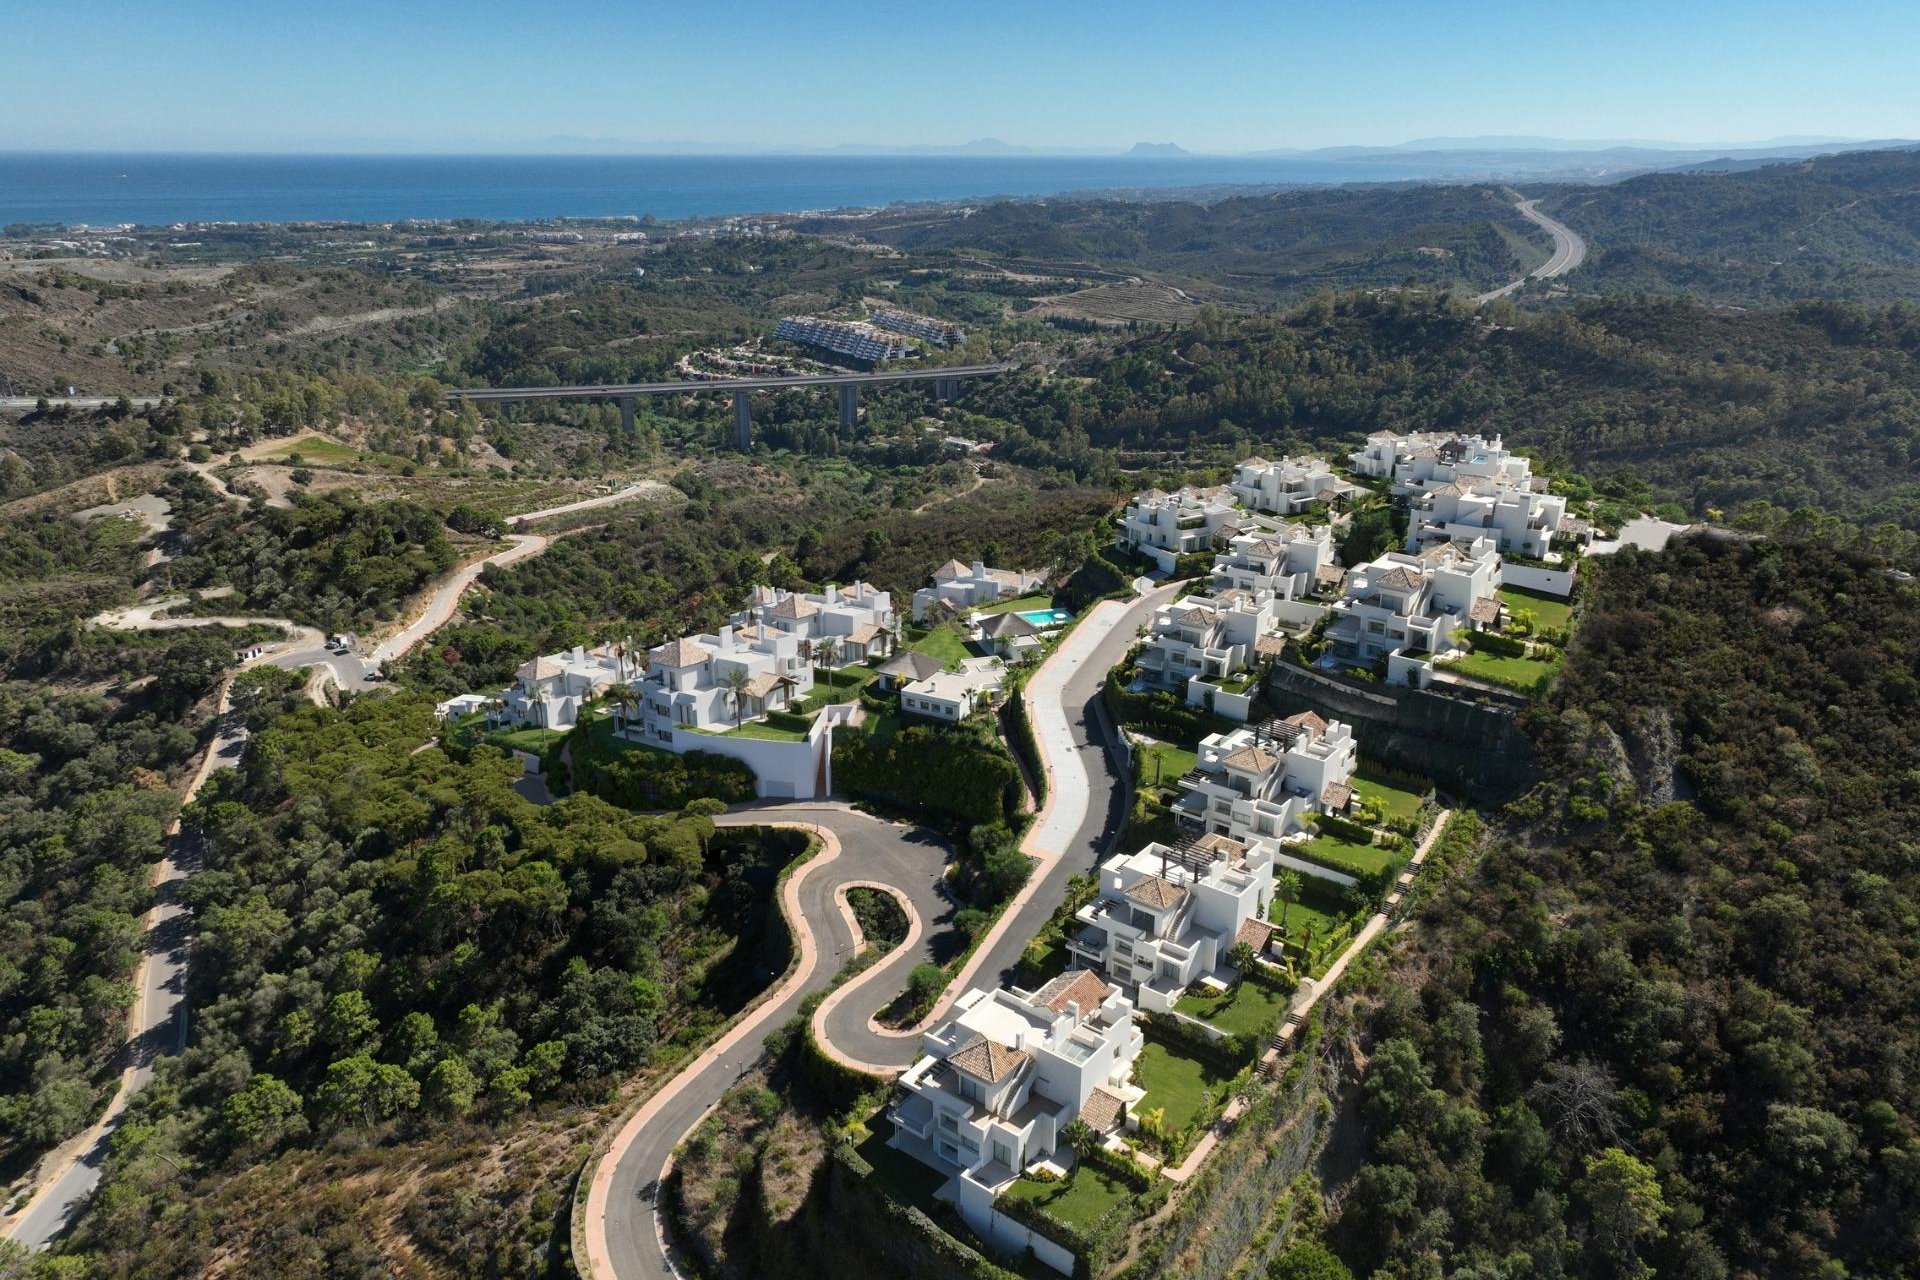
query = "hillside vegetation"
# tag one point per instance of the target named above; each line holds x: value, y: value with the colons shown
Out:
x: 1841, y: 227
x: 1668, y: 1026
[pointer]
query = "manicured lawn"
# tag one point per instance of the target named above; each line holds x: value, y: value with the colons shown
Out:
x: 1518, y: 674
x: 1322, y: 916
x: 945, y: 643
x: 1548, y: 611
x: 1164, y: 762
x: 1393, y: 799
x: 830, y: 687
x: 1174, y: 1081
x: 1024, y: 603
x: 1080, y: 1201
x: 898, y: 1173
x: 532, y: 741
x: 1248, y: 1009
x: 769, y: 732
x: 1346, y: 855
x: 882, y: 725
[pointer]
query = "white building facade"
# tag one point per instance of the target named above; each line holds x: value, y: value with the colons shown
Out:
x: 960, y: 587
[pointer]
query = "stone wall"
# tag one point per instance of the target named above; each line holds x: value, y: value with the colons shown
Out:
x: 1471, y: 747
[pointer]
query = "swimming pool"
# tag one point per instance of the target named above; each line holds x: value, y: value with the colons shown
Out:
x: 1048, y: 617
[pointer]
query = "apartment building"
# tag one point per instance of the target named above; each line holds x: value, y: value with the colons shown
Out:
x: 954, y: 696
x: 939, y: 333
x: 1405, y: 607
x: 1286, y: 487
x: 960, y: 587
x: 1205, y: 648
x: 1165, y: 917
x: 712, y: 681
x: 852, y: 339
x: 1292, y: 567
x: 1000, y: 1080
x: 1261, y: 784
x: 549, y: 691
x: 1165, y: 525
x: 839, y: 625
x: 1422, y: 460
x: 1519, y: 520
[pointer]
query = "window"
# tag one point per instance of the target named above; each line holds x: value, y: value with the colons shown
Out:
x: 972, y: 1090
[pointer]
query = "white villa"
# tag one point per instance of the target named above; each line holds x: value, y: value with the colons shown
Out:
x: 1286, y: 487
x: 1260, y: 785
x: 952, y: 696
x: 840, y: 625
x: 549, y: 691
x: 1206, y: 646
x: 1423, y: 460
x: 961, y: 587
x: 1407, y: 607
x: 1166, y: 917
x: 1000, y: 1080
x: 1165, y: 525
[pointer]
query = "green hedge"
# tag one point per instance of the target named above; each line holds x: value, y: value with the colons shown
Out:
x: 1161, y: 712
x: 1345, y: 829
x: 789, y: 720
x: 944, y: 770
x: 1262, y: 975
x: 1022, y: 739
x: 644, y: 779
x: 1499, y: 646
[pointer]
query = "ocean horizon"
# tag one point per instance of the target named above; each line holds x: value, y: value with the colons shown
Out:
x: 152, y: 189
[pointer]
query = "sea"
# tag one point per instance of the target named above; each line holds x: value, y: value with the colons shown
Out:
x: 105, y: 189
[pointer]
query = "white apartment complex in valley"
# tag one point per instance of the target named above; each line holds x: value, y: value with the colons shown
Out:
x: 1166, y: 917
x: 838, y: 626
x: 1422, y: 460
x: 549, y: 691
x: 940, y: 333
x: 853, y: 339
x: 1001, y: 1080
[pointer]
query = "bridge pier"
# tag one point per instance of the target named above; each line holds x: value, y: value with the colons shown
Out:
x: 946, y: 388
x: 743, y: 420
x: 627, y: 404
x: 849, y: 406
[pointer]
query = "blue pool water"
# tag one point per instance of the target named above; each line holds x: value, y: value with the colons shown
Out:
x: 1048, y: 617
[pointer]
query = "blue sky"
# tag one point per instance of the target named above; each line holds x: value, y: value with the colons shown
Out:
x: 427, y: 75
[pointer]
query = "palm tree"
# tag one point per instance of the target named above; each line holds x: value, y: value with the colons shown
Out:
x: 1081, y: 1139
x: 620, y: 693
x: 1287, y: 886
x: 736, y: 691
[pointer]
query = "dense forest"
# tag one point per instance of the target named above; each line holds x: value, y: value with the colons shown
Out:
x: 399, y: 948
x: 1667, y: 1027
x: 1837, y: 227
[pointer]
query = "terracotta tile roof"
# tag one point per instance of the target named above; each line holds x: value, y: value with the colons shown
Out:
x: 1153, y: 891
x: 1338, y: 795
x: 794, y: 607
x: 1574, y: 525
x: 1076, y: 986
x: 1270, y: 646
x: 1485, y: 610
x: 681, y: 653
x: 866, y: 633
x: 1225, y: 846
x: 1398, y: 578
x: 1308, y: 720
x: 1329, y: 573
x: 538, y: 669
x: 1197, y: 616
x: 1256, y: 933
x: 1103, y: 1111
x: 763, y: 684
x: 986, y: 1059
x: 1252, y: 759
x: 950, y: 570
x: 1446, y: 491
x: 750, y: 633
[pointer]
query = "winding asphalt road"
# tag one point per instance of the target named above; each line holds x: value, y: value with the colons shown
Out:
x: 1569, y: 251
x: 1088, y: 795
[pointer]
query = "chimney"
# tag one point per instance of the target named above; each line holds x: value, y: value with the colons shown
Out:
x: 833, y: 593
x: 1073, y: 1010
x: 726, y: 636
x: 979, y: 568
x: 1020, y: 1040
x: 579, y: 654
